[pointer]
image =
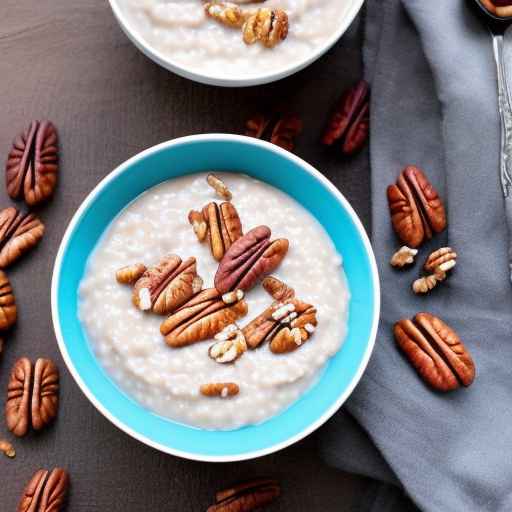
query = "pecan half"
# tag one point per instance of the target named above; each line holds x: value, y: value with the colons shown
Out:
x: 230, y: 345
x: 286, y: 130
x: 8, y: 310
x: 201, y: 318
x: 130, y: 273
x: 249, y: 259
x: 268, y: 26
x: 226, y: 13
x: 219, y: 186
x: 46, y: 492
x: 165, y: 287
x: 403, y: 257
x: 415, y: 207
x: 443, y: 259
x: 349, y: 121
x: 31, y: 401
x: 246, y: 496
x: 32, y: 165
x: 18, y: 234
x: 223, y: 227
x: 220, y: 389
x: 436, y: 352
x: 285, y: 325
x: 277, y: 289
x: 256, y: 125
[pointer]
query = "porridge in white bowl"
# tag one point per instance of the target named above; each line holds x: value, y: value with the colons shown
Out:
x: 235, y: 40
x: 200, y: 336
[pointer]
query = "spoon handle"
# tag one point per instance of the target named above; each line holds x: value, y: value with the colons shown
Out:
x: 505, y: 110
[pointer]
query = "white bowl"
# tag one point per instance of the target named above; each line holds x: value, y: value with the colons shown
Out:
x: 218, y: 79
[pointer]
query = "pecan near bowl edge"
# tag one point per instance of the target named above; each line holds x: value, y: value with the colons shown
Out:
x: 249, y: 259
x: 416, y: 209
x: 45, y: 492
x: 19, y: 232
x: 436, y: 352
x: 33, y: 163
x: 246, y: 496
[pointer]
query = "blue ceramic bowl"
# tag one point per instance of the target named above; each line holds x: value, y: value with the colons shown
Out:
x: 267, y: 163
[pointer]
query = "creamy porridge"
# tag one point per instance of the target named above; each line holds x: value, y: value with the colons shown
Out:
x: 181, y: 31
x: 166, y: 379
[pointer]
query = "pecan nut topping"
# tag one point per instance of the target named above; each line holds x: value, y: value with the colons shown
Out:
x: 46, y: 492
x: 219, y: 186
x: 226, y: 13
x: 18, y: 234
x: 436, y: 352
x: 220, y: 389
x: 32, y: 165
x: 268, y: 26
x: 164, y: 288
x: 349, y: 122
x: 285, y: 325
x: 277, y: 289
x: 246, y: 496
x: 201, y: 318
x: 8, y: 310
x: 230, y: 345
x: 416, y: 210
x: 130, y: 274
x: 220, y: 225
x: 249, y: 259
x: 32, y: 395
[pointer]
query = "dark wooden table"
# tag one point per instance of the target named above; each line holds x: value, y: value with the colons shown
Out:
x: 70, y: 62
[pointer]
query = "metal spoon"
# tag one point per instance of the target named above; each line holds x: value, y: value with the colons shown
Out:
x: 497, y: 26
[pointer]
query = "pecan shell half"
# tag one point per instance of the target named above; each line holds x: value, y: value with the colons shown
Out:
x: 8, y: 310
x: 18, y: 234
x: 246, y: 496
x: 249, y: 259
x: 436, y: 352
x: 349, y: 121
x: 165, y: 287
x: 46, y: 492
x: 32, y: 395
x: 33, y: 163
x: 415, y: 207
x: 201, y: 318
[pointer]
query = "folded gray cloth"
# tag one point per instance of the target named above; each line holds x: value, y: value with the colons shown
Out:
x: 434, y: 104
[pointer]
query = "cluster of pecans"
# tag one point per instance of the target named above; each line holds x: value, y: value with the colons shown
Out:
x: 433, y: 348
x: 268, y: 26
x: 347, y: 127
x: 174, y: 289
x: 31, y: 173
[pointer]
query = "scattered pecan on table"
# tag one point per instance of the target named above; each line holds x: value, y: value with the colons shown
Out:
x: 416, y: 209
x: 403, y: 257
x: 8, y: 310
x: 436, y: 352
x: 249, y: 259
x: 280, y: 128
x: 33, y: 163
x: 46, y: 492
x: 246, y: 496
x: 7, y: 449
x: 349, y: 121
x: 32, y: 395
x: 19, y: 232
x: 438, y: 264
x: 165, y: 287
x: 201, y: 318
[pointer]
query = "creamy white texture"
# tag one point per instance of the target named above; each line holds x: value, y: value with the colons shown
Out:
x: 128, y: 343
x: 181, y: 31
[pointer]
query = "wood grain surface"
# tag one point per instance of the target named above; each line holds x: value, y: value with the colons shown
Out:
x: 70, y: 62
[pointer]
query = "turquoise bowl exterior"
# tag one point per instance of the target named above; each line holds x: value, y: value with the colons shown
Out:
x: 272, y: 165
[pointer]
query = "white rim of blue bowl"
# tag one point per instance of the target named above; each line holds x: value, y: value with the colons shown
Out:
x: 187, y: 72
x: 166, y: 449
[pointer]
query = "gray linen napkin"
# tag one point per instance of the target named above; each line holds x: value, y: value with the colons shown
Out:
x: 434, y: 104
